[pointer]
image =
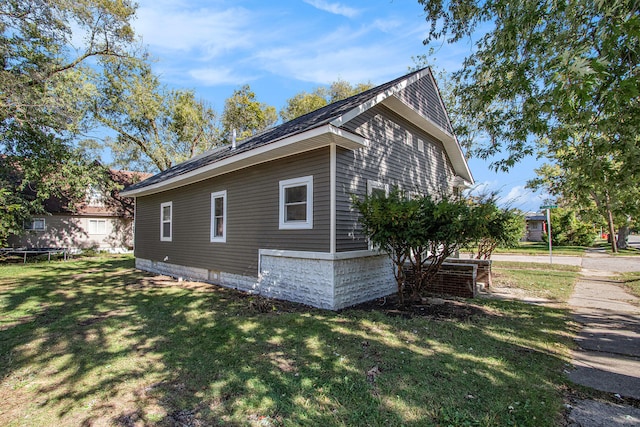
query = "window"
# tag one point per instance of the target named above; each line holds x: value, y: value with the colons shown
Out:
x: 296, y: 203
x: 376, y: 187
x: 166, y: 214
x: 219, y: 216
x: 94, y: 196
x: 97, y: 226
x: 421, y: 146
x: 409, y: 139
x: 36, y: 224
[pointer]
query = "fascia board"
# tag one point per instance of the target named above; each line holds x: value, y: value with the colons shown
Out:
x: 305, y: 141
x: 351, y: 114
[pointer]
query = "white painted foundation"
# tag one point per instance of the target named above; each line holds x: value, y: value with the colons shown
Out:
x: 318, y: 279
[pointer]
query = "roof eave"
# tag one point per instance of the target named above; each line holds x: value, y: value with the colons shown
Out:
x: 389, y: 98
x: 312, y: 139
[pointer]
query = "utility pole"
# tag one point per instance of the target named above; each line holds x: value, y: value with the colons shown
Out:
x: 548, y: 208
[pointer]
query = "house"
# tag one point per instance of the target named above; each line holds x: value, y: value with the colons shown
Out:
x: 535, y: 226
x: 272, y: 214
x: 103, y: 222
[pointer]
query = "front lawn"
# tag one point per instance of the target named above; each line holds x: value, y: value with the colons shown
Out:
x: 631, y: 282
x: 554, y: 282
x: 542, y: 248
x: 94, y: 342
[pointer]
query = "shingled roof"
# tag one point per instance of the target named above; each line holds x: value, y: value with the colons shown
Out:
x: 331, y: 117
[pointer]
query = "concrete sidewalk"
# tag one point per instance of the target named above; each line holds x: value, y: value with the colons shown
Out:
x: 608, y: 356
x: 590, y: 261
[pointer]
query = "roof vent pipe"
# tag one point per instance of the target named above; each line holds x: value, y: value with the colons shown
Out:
x: 233, y: 139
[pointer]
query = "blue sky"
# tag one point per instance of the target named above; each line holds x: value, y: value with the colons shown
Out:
x: 283, y: 47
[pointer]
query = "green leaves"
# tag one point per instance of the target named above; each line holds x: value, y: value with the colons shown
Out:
x: 157, y: 127
x: 544, y: 69
x: 303, y: 102
x: 421, y: 230
x: 243, y: 113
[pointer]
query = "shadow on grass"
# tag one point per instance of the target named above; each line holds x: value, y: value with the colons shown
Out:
x: 94, y: 341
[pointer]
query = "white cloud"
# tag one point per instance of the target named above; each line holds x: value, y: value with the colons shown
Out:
x: 205, y: 30
x: 522, y: 198
x: 335, y: 8
x: 354, y: 55
x: 219, y: 76
x: 516, y: 197
x: 353, y: 64
x: 218, y: 43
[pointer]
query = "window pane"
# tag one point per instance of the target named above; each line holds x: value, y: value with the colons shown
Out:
x: 38, y: 224
x: 166, y: 213
x: 296, y: 194
x: 378, y: 192
x: 218, y: 206
x: 219, y: 230
x: 166, y: 229
x: 297, y: 212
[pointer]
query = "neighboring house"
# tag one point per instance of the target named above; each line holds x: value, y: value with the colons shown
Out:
x: 535, y: 226
x: 103, y: 222
x: 273, y: 214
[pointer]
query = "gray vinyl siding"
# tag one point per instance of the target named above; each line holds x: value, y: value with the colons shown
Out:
x: 388, y: 159
x: 252, y: 217
x: 423, y: 96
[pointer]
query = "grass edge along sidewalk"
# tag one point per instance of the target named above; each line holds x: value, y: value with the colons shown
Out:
x: 94, y: 341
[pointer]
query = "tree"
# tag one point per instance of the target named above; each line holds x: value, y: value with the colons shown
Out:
x: 45, y: 91
x: 547, y: 71
x: 245, y: 115
x: 156, y: 127
x: 585, y: 176
x: 12, y: 213
x: 497, y: 227
x: 341, y: 89
x: 303, y: 102
x: 421, y: 231
x: 567, y: 229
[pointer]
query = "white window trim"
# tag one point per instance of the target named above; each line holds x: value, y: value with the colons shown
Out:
x: 30, y: 225
x: 409, y: 139
x: 376, y: 185
x: 97, y: 231
x: 214, y: 196
x: 164, y: 238
x: 296, y: 182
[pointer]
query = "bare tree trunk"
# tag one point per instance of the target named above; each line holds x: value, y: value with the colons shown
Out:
x: 623, y: 233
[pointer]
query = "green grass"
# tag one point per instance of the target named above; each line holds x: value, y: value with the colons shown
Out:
x: 604, y: 245
x: 93, y: 341
x: 554, y: 282
x: 542, y: 248
x: 631, y: 282
x: 536, y: 248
